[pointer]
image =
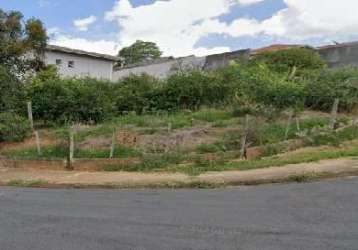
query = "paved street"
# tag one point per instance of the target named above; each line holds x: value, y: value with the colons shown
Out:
x: 322, y: 215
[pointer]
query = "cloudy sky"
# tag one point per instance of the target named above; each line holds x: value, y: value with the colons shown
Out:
x: 184, y: 27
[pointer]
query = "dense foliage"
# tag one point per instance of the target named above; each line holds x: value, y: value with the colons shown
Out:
x: 13, y: 128
x: 323, y: 88
x: 285, y: 61
x: 19, y: 37
x: 69, y: 100
x: 11, y: 91
x: 251, y: 88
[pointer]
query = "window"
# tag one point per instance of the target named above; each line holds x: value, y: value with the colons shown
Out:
x: 71, y: 64
x: 58, y: 62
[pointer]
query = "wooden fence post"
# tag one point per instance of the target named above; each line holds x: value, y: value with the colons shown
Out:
x: 71, y: 150
x: 38, y: 143
x: 169, y: 127
x: 29, y: 114
x: 244, y: 139
x: 288, y: 126
x: 298, y: 126
x: 334, y: 114
x: 113, y: 144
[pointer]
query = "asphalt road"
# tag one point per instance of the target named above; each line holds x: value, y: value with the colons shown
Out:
x: 322, y: 215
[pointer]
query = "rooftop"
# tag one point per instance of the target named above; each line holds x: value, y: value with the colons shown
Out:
x: 81, y: 53
x: 274, y: 48
x: 338, y: 45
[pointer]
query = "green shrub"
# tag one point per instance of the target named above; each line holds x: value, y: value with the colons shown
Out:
x: 283, y: 61
x: 71, y: 100
x: 11, y: 92
x: 260, y: 85
x: 194, y: 89
x: 323, y: 88
x: 13, y: 128
x: 137, y: 93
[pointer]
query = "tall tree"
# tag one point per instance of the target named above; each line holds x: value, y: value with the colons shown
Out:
x: 22, y: 43
x: 140, y: 51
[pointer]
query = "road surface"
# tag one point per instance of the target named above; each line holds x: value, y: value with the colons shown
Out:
x: 322, y: 215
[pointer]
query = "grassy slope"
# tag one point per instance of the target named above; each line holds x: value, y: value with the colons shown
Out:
x: 226, y: 149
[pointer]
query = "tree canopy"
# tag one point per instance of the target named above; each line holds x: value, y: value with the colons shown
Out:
x: 19, y: 39
x: 140, y: 51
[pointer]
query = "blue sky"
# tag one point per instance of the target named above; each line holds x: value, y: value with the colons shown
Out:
x: 183, y: 27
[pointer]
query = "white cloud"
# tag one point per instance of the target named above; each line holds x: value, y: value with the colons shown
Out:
x: 249, y: 2
x: 99, y: 46
x: 43, y: 3
x: 302, y: 20
x: 178, y: 25
x: 83, y: 24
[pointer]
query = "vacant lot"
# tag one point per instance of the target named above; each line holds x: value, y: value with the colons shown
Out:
x: 195, y: 142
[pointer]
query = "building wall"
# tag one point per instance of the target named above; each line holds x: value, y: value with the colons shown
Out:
x: 213, y: 62
x: 83, y: 66
x: 161, y: 69
x: 165, y: 69
x: 340, y: 55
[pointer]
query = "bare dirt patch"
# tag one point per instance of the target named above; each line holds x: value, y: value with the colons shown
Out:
x: 323, y: 169
x: 179, y: 139
x: 46, y: 140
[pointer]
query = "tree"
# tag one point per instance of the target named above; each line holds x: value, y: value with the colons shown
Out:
x: 293, y: 60
x: 11, y: 91
x: 22, y: 43
x: 140, y: 51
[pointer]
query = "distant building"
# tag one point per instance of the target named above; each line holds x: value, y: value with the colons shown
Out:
x: 340, y: 54
x: 165, y: 67
x: 275, y: 48
x: 78, y: 63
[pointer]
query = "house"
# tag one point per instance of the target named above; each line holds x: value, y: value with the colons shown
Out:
x: 78, y: 63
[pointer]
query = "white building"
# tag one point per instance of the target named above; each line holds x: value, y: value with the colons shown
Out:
x: 78, y: 63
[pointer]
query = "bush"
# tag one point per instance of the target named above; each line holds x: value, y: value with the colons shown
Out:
x: 258, y: 84
x: 71, y: 100
x: 254, y: 88
x: 195, y: 89
x: 330, y: 84
x: 12, y: 92
x: 138, y: 94
x: 284, y: 61
x: 13, y: 128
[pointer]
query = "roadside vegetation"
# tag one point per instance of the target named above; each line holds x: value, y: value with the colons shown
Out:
x: 250, y: 114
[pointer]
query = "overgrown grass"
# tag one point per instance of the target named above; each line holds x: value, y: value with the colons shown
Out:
x: 177, y: 120
x: 49, y: 152
x: 304, y: 157
x: 151, y: 162
x: 60, y: 152
x: 22, y: 183
x: 328, y: 137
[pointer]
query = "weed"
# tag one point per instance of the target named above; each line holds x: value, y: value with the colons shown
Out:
x: 266, y: 162
x: 212, y: 115
x: 150, y: 162
x: 32, y: 183
x: 208, y: 148
x: 302, y: 178
x: 60, y: 152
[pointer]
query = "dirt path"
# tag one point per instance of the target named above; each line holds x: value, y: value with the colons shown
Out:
x: 328, y: 168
